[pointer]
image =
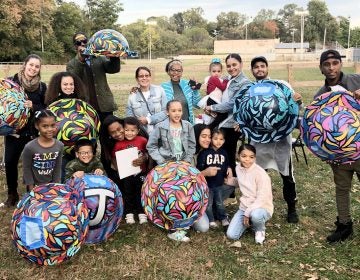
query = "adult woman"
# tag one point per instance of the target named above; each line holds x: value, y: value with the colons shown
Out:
x: 180, y: 89
x: 29, y: 78
x: 65, y: 85
x: 237, y: 81
x: 111, y: 131
x: 148, y: 103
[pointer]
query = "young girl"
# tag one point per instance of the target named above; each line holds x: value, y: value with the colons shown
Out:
x: 256, y: 201
x: 215, y: 156
x: 131, y: 188
x: 214, y: 90
x: 173, y: 139
x: 42, y: 156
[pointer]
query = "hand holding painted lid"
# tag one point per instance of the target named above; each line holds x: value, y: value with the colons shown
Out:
x: 107, y: 42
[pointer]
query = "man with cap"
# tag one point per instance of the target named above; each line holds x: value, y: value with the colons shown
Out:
x: 330, y: 66
x: 92, y: 71
x: 277, y: 155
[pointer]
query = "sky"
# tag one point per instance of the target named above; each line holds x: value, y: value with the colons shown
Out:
x: 143, y: 9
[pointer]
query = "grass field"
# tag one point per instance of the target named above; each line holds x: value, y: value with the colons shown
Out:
x: 144, y: 252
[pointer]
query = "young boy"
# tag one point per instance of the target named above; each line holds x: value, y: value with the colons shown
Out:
x: 85, y: 161
x: 132, y: 185
x: 216, y: 156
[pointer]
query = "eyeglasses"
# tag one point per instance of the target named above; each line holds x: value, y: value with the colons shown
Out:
x: 79, y: 43
x: 85, y: 153
x: 143, y: 76
x: 176, y: 70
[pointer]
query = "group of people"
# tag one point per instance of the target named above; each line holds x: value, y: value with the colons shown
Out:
x: 159, y: 122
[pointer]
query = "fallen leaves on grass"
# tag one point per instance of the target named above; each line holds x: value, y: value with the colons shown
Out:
x: 236, y: 244
x: 209, y: 264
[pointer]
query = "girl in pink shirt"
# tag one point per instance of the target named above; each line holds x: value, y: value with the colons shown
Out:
x: 256, y: 201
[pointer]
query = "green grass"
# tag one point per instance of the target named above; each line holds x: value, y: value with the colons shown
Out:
x: 144, y: 252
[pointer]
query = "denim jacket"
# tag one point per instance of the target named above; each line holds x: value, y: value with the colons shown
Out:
x: 160, y: 144
x: 227, y: 106
x: 137, y: 107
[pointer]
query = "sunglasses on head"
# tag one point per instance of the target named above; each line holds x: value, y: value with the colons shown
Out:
x: 78, y: 43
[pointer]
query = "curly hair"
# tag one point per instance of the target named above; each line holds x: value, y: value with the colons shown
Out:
x: 54, y: 89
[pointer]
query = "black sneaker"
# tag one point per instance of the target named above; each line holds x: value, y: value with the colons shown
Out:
x: 342, y: 232
x: 11, y: 201
x: 293, y: 217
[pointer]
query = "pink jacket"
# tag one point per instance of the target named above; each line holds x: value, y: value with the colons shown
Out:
x: 255, y: 188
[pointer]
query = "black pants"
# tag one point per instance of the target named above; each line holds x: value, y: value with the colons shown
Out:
x: 230, y: 146
x: 219, y: 116
x: 105, y: 163
x: 13, y: 149
x: 289, y: 189
x: 131, y: 191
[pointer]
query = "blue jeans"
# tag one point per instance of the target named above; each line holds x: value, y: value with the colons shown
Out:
x: 202, y: 225
x: 226, y: 191
x: 216, y: 196
x: 258, y: 219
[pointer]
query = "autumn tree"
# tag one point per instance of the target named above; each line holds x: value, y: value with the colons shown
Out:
x: 68, y: 19
x: 194, y: 18
x: 103, y: 14
x: 288, y: 23
x: 317, y: 21
x: 231, y: 25
x: 10, y: 17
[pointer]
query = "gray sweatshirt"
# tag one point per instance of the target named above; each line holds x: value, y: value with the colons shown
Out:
x: 42, y: 165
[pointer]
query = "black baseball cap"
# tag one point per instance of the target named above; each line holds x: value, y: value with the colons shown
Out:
x: 329, y: 54
x: 257, y: 59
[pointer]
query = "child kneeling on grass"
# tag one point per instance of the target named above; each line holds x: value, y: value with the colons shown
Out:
x: 256, y: 201
x: 85, y: 161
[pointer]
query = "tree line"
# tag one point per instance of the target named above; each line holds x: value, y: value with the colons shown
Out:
x: 46, y: 27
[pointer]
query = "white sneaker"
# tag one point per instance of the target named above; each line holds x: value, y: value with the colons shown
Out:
x: 225, y: 222
x: 213, y: 225
x: 259, y: 237
x: 142, y: 219
x: 130, y: 219
x: 179, y: 235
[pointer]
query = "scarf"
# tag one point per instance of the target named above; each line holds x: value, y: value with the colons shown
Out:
x: 28, y: 85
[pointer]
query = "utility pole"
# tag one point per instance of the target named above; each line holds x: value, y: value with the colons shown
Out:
x: 302, y: 15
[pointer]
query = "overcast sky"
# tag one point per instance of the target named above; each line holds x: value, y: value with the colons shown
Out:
x: 143, y: 9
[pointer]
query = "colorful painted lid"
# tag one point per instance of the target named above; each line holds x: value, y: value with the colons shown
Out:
x: 104, y: 201
x: 174, y: 195
x: 331, y: 127
x: 49, y: 224
x: 13, y: 114
x: 107, y: 41
x: 266, y: 111
x: 75, y: 120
